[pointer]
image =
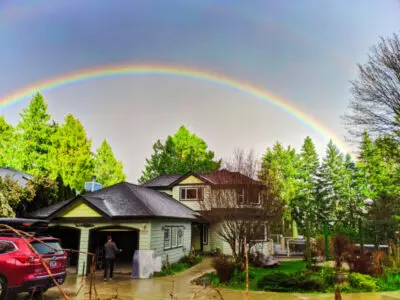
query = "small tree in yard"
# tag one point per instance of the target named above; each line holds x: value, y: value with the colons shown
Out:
x: 241, y: 205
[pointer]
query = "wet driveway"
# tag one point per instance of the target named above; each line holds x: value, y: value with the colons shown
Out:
x: 160, y: 288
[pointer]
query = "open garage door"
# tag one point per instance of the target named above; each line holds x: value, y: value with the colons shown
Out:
x: 125, y: 238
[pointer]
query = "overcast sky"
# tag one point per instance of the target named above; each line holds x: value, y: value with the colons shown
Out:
x: 304, y: 51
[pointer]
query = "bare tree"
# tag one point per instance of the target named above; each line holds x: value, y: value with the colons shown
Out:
x: 375, y: 102
x: 241, y: 206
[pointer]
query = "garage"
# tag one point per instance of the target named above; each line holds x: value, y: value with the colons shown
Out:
x: 125, y: 238
x: 70, y: 238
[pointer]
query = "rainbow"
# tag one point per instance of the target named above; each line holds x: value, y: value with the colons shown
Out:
x: 167, y: 70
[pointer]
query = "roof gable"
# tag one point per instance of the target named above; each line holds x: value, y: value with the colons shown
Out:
x: 78, y: 209
x: 191, y: 179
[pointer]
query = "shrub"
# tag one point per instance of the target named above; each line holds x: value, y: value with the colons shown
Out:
x: 390, y: 280
x: 311, y: 283
x: 328, y: 275
x: 277, y: 282
x: 240, y: 276
x: 282, y: 282
x: 362, y: 282
x: 191, y: 260
x: 224, y: 266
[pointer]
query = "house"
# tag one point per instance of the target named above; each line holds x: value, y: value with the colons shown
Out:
x: 165, y: 214
x: 18, y: 176
x: 135, y: 216
x: 198, y: 190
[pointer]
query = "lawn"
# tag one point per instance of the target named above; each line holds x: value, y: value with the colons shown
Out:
x: 287, y: 267
x: 255, y: 274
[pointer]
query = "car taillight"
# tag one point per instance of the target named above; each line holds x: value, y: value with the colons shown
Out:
x: 28, y: 259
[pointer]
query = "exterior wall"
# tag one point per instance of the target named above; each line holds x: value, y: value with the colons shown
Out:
x: 169, y: 192
x: 157, y: 240
x: 191, y: 180
x: 195, y: 205
x: 83, y: 259
x: 79, y: 210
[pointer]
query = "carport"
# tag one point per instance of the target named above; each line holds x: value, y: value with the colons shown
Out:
x: 70, y: 239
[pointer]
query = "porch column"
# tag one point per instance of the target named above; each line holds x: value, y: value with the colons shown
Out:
x: 83, y: 246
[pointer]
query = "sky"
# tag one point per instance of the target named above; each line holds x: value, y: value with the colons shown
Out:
x: 303, y: 51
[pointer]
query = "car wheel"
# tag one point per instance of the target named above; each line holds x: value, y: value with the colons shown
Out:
x: 3, y: 288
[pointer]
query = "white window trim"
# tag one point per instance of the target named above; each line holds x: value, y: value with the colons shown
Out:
x: 176, y: 245
x: 177, y: 236
x: 245, y: 200
x: 197, y: 188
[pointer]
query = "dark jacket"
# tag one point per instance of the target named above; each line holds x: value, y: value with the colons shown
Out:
x: 110, y: 250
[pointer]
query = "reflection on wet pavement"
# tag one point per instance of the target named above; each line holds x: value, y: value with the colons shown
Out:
x: 160, y: 288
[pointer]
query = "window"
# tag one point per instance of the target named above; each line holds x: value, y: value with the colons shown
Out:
x: 191, y: 193
x: 180, y: 236
x: 252, y: 196
x: 6, y: 247
x: 205, y: 234
x: 43, y: 249
x: 173, y: 237
x: 262, y: 233
x: 240, y: 196
x: 167, y: 238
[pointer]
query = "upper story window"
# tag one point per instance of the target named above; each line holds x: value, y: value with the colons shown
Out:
x: 246, y: 196
x: 191, y: 193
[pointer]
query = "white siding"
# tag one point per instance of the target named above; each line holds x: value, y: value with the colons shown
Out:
x: 157, y: 240
x: 195, y: 205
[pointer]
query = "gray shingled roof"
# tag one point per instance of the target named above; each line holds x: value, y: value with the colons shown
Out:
x: 21, y: 177
x: 163, y: 181
x: 127, y: 200
x: 45, y: 212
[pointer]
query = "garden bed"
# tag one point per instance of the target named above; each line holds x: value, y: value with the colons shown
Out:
x: 183, y: 264
x: 293, y: 276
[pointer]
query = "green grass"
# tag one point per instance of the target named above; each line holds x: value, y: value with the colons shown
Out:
x: 255, y: 274
x: 287, y: 267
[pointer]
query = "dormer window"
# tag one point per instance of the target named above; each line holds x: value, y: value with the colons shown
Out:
x: 191, y: 193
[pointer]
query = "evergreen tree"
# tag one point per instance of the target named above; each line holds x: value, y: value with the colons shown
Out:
x: 181, y: 153
x: 351, y: 199
x: 7, y: 145
x: 107, y: 168
x: 329, y: 188
x: 282, y: 165
x: 33, y: 141
x: 305, y: 209
x: 70, y: 154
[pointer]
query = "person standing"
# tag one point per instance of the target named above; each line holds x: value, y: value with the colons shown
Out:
x: 110, y: 250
